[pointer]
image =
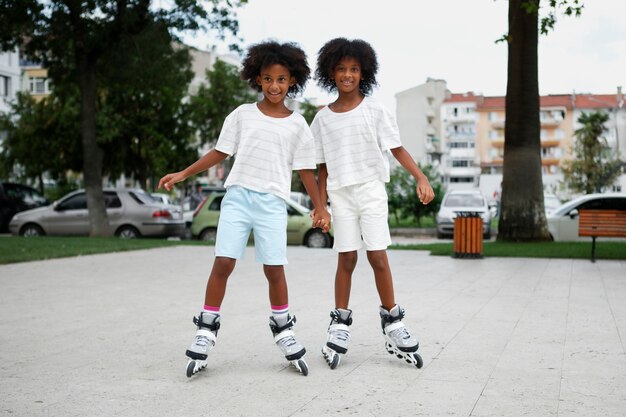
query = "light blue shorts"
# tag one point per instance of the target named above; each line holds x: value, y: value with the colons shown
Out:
x: 244, y: 210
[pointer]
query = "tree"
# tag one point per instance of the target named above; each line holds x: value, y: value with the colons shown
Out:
x: 41, y: 137
x: 73, y: 39
x: 594, y: 165
x: 522, y: 212
x: 403, y: 200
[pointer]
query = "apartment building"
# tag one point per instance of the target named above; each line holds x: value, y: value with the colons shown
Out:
x: 471, y: 133
x: 460, y: 162
x: 34, y: 79
x: 9, y: 78
x: 418, y: 113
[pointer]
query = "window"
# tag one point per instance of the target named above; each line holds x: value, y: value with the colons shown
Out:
x: 111, y: 200
x: 460, y: 163
x: 604, y: 204
x: 493, y: 134
x: 5, y: 86
x: 216, y: 204
x: 559, y: 134
x: 76, y: 202
x: 462, y: 179
x: 544, y: 134
x: 39, y: 85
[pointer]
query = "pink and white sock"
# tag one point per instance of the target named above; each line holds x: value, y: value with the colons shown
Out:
x: 280, y: 314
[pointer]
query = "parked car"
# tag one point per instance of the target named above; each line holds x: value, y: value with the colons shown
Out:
x: 132, y: 213
x: 299, y: 230
x: 15, y: 198
x: 162, y: 198
x: 455, y: 201
x: 563, y: 221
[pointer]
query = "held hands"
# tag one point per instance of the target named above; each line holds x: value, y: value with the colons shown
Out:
x: 169, y: 180
x: 321, y: 219
x: 424, y: 191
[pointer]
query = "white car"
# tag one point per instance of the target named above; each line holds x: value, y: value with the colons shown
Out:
x: 457, y: 201
x: 563, y: 221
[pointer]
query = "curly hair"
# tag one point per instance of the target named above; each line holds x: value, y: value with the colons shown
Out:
x: 334, y: 51
x: 264, y: 54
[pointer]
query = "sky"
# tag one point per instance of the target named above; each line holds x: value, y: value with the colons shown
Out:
x: 453, y: 40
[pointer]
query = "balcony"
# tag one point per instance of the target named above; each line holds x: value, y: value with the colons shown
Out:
x: 550, y: 121
x: 498, y: 124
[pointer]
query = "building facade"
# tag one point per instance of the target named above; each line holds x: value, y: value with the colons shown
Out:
x: 471, y: 133
x: 9, y: 78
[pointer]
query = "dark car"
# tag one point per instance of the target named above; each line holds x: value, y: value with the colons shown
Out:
x: 15, y: 198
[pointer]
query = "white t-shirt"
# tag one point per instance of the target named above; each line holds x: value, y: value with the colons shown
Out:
x: 355, y: 144
x: 266, y: 149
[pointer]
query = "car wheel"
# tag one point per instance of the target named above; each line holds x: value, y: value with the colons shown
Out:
x: 208, y: 235
x: 315, y: 238
x: 31, y: 230
x: 127, y: 232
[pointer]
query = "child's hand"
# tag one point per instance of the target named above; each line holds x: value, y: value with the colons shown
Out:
x: 424, y: 191
x: 169, y: 180
x: 321, y: 219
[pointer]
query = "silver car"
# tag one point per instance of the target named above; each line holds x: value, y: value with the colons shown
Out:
x: 132, y: 213
x: 456, y: 201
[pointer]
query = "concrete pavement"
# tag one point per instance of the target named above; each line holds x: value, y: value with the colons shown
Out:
x: 105, y: 335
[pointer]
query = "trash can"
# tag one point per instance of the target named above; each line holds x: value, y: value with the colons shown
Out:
x: 468, y: 235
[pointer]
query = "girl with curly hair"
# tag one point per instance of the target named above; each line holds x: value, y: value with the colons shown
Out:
x: 268, y: 141
x: 354, y: 135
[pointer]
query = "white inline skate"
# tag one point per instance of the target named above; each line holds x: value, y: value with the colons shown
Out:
x: 208, y: 325
x: 398, y: 340
x: 285, y: 340
x: 338, y: 336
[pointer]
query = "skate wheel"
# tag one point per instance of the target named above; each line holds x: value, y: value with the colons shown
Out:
x: 336, y: 359
x: 190, y: 368
x: 303, y: 367
x: 418, y: 360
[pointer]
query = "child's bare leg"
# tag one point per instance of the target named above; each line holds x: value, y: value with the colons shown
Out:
x: 275, y: 275
x: 216, y: 286
x: 346, y: 262
x: 382, y: 273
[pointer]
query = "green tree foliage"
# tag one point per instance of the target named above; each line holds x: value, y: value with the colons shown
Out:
x: 594, y: 164
x: 308, y: 110
x: 522, y: 216
x: 223, y: 93
x: 75, y: 40
x: 41, y: 137
x: 403, y: 201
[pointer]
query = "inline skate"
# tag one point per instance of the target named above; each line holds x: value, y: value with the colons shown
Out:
x: 285, y: 340
x: 398, y: 340
x: 338, y: 336
x: 208, y: 325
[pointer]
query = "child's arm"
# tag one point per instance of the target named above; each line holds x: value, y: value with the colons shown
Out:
x: 424, y: 190
x: 212, y: 158
x: 321, y: 217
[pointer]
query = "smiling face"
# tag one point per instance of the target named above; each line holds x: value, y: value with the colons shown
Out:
x: 275, y: 81
x: 347, y: 75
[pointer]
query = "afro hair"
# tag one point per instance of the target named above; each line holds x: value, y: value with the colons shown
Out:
x: 334, y: 51
x: 264, y: 54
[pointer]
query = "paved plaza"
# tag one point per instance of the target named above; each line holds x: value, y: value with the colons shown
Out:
x: 105, y: 335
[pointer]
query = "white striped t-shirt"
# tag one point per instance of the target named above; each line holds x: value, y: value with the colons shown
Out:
x: 355, y: 144
x: 266, y: 149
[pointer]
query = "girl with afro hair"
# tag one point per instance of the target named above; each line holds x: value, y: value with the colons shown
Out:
x: 267, y: 141
x: 354, y: 136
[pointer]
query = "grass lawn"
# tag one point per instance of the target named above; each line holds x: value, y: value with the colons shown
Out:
x: 20, y: 249
x: 571, y: 250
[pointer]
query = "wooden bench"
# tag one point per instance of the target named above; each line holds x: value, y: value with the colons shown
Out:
x: 601, y: 223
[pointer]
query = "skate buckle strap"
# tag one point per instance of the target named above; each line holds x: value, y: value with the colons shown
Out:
x: 340, y: 331
x: 276, y: 329
x: 393, y: 326
x: 283, y: 334
x: 335, y: 317
x: 214, y: 327
x: 208, y: 334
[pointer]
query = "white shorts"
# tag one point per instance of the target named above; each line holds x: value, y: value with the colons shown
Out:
x: 360, y: 215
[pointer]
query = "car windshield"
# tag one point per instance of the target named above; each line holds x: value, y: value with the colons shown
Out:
x: 464, y: 200
x: 299, y: 207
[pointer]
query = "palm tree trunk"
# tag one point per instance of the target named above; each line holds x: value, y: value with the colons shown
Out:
x: 522, y: 215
